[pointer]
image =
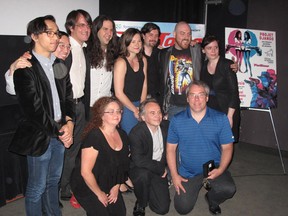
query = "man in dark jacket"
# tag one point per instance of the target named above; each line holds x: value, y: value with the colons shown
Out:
x: 180, y: 64
x: 148, y: 152
x: 44, y: 93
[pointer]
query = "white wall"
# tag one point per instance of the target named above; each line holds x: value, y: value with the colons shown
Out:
x: 15, y: 14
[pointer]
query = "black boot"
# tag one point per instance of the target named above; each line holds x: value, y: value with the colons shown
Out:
x: 138, y: 210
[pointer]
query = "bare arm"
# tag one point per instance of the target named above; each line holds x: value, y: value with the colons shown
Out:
x: 21, y: 62
x: 144, y: 89
x: 171, y: 160
x: 226, y: 156
x: 230, y: 114
x: 88, y: 160
x: 119, y: 77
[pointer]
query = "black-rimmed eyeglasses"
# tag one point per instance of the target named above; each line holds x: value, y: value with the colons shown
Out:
x: 51, y: 34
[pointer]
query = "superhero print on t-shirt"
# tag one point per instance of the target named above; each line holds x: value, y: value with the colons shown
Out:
x: 180, y: 73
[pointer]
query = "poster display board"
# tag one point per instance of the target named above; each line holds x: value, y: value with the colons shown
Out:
x: 255, y: 53
x: 166, y: 37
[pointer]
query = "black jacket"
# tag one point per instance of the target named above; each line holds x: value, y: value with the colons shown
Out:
x: 225, y: 84
x: 164, y: 60
x: 35, y: 98
x: 141, y: 145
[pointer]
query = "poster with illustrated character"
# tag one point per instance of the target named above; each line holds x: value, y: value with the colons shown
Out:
x: 255, y: 53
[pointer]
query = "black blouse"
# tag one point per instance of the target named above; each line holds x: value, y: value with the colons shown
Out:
x: 111, y: 167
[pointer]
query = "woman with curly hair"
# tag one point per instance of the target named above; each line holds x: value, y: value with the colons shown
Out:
x: 103, y: 163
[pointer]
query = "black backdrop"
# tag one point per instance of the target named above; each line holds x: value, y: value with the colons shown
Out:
x: 230, y: 13
x: 13, y: 170
x: 11, y: 48
x: 154, y: 10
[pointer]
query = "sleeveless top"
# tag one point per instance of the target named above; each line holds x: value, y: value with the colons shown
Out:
x: 133, y: 82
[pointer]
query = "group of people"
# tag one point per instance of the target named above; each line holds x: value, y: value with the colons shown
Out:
x: 94, y: 107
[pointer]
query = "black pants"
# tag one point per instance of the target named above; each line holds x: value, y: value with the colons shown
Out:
x: 222, y: 188
x: 71, y: 153
x: 93, y: 206
x: 151, y: 189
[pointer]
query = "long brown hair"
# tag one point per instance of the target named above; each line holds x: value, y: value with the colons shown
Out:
x: 126, y: 39
x: 95, y: 52
x: 97, y: 113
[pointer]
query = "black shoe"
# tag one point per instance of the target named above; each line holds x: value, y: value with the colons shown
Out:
x: 60, y: 204
x: 213, y: 209
x: 138, y: 210
x: 65, y: 195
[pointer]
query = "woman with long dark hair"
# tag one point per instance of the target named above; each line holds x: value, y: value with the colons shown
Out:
x: 130, y: 77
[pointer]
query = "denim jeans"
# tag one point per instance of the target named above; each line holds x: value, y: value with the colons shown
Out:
x: 44, y: 173
x: 128, y: 119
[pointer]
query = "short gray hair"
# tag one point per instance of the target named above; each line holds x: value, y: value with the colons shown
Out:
x: 144, y: 103
x: 198, y: 83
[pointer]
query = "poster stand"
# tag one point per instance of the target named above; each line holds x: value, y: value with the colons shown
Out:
x: 276, y: 137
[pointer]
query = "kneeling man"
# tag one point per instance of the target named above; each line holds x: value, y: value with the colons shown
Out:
x: 148, y: 152
x: 200, y: 134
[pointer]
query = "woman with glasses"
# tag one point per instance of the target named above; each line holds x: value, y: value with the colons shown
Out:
x: 222, y: 81
x: 102, y: 163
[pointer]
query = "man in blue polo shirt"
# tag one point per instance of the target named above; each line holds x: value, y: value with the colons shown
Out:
x: 198, y: 135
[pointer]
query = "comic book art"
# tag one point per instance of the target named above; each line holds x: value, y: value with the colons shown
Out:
x: 181, y: 74
x: 255, y: 53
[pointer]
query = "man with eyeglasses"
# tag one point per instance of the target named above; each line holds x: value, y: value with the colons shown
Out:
x: 201, y: 135
x: 48, y: 114
x: 148, y: 153
x: 62, y: 51
x: 78, y: 26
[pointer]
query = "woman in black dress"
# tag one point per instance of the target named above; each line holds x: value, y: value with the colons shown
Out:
x: 103, y: 163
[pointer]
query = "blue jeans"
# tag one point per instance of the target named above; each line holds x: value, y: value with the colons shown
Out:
x: 44, y: 173
x: 128, y: 119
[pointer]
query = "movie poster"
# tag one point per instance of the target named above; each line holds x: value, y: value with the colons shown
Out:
x: 255, y: 53
x: 166, y: 37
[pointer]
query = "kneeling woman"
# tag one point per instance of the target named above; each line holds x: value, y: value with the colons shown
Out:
x: 103, y: 163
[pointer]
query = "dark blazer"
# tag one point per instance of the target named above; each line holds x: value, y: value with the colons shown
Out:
x: 141, y: 145
x: 164, y: 58
x: 225, y: 84
x: 87, y: 84
x: 35, y: 98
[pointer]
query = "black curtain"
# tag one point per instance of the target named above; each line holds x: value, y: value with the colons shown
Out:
x: 229, y: 13
x: 12, y: 47
x: 154, y: 10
